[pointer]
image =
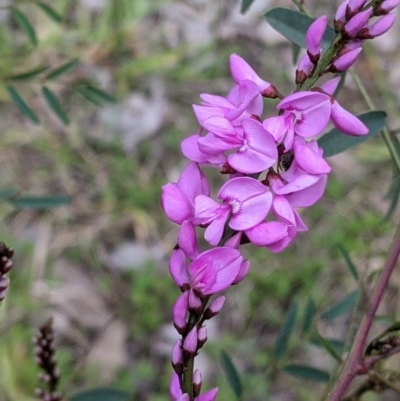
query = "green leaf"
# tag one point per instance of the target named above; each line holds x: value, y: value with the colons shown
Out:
x: 88, y: 96
x: 346, y: 257
x: 231, y: 374
x: 50, y: 12
x: 54, y: 104
x: 245, y: 5
x: 307, y: 373
x: 285, y: 331
x: 335, y: 142
x: 343, y: 306
x: 63, y: 69
x: 7, y: 193
x: 293, y: 26
x: 23, y: 22
x: 334, y: 347
x: 102, y: 95
x: 393, y: 194
x: 295, y: 53
x: 308, y: 315
x: 41, y: 202
x: 21, y: 105
x: 100, y: 394
x: 24, y: 76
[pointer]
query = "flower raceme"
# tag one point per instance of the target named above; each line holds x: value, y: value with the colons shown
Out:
x: 272, y: 166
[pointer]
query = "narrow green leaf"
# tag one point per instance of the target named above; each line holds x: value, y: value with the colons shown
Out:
x: 293, y: 26
x: 343, y: 306
x: 24, y: 76
x: 50, y: 12
x: 41, y: 202
x: 334, y: 347
x: 100, y: 394
x: 103, y: 95
x: 295, y: 53
x: 335, y: 142
x: 23, y: 22
x: 54, y: 104
x: 393, y: 194
x: 245, y: 5
x: 63, y: 69
x: 7, y: 193
x: 89, y: 96
x: 21, y: 105
x: 285, y: 331
x: 307, y: 373
x: 346, y: 257
x: 308, y: 315
x: 231, y: 374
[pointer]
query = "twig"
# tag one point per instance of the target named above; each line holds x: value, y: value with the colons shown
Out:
x: 354, y: 358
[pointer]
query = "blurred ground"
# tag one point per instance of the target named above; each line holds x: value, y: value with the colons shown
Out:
x: 99, y: 265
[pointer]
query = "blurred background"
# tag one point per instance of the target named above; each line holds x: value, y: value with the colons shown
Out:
x: 98, y: 264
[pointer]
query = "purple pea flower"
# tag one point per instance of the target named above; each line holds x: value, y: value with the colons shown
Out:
x: 177, y: 199
x: 246, y: 202
x: 314, y: 36
x: 305, y: 114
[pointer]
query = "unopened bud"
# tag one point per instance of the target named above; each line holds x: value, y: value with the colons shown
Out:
x: 345, y: 61
x: 197, y: 382
x: 314, y: 37
x: 358, y: 22
x: 215, y: 307
x: 201, y: 336
x: 179, y: 311
x: 303, y: 69
x: 195, y: 305
x: 340, y: 16
x: 270, y: 92
x: 386, y: 7
x: 190, y: 343
x: 379, y: 27
x: 353, y: 7
x: 177, y: 357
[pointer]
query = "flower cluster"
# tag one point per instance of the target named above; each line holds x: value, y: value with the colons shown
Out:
x: 274, y: 166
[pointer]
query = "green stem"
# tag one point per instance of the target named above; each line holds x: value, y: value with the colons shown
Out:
x: 301, y: 7
x: 384, y: 132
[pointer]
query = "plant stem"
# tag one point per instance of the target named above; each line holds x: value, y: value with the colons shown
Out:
x: 354, y: 359
x: 384, y: 132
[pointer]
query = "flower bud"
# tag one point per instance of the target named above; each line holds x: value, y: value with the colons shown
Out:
x: 190, y: 344
x: 244, y: 268
x: 303, y: 69
x: 177, y: 357
x: 358, y: 22
x: 353, y: 7
x: 386, y: 7
x: 379, y: 27
x: 209, y: 395
x: 179, y: 311
x: 344, y: 62
x: 350, y: 45
x: 215, y: 307
x: 314, y: 37
x: 195, y: 305
x: 201, y: 336
x: 197, y: 382
x: 340, y: 16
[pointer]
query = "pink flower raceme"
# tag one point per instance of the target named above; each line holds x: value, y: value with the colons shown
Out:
x: 211, y: 272
x: 245, y: 200
x: 177, y: 199
x: 305, y: 114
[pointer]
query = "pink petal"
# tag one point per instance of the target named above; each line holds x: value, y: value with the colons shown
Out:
x: 267, y: 233
x: 206, y: 209
x: 314, y: 35
x: 187, y: 240
x: 203, y: 113
x: 381, y: 26
x: 209, y: 395
x: 214, y: 145
x: 282, y: 210
x: 341, y: 12
x: 276, y: 126
x: 298, y: 183
x: 310, y: 195
x: 358, y: 22
x: 241, y: 71
x: 244, y: 269
x: 190, y: 149
x: 175, y: 204
x: 346, y: 122
x: 345, y: 61
x: 309, y: 160
x: 192, y: 182
x: 174, y: 387
x: 241, y: 188
x: 330, y: 86
x: 177, y: 267
x: 214, y: 231
x: 219, y: 126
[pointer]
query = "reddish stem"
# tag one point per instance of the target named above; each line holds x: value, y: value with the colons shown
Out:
x: 355, y: 357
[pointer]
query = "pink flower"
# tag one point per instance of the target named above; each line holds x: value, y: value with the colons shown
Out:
x: 246, y: 201
x: 305, y: 114
x: 177, y: 199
